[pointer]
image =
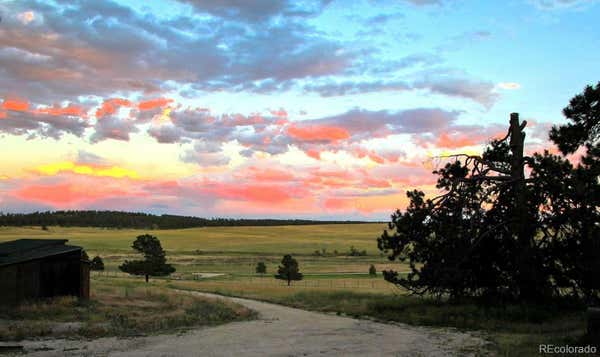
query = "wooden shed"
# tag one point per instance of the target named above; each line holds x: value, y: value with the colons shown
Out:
x: 42, y: 268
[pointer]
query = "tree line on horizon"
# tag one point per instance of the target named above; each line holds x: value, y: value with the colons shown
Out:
x: 138, y: 220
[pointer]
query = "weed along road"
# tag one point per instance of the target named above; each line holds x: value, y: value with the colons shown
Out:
x: 280, y: 331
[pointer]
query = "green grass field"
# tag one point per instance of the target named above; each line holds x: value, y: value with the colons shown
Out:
x: 245, y: 240
x: 335, y: 283
x: 231, y: 250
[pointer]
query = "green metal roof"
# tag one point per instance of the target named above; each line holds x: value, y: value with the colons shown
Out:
x: 23, y: 250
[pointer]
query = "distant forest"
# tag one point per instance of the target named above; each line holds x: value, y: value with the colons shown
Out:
x: 118, y: 220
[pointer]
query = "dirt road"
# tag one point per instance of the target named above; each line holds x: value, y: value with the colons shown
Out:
x: 279, y: 331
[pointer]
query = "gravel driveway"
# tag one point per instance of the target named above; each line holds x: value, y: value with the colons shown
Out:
x: 279, y: 331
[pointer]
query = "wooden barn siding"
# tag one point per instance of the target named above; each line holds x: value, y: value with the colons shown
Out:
x: 8, y: 285
x: 58, y: 275
x: 84, y: 292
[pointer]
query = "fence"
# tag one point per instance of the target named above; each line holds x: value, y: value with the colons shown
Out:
x: 339, y: 283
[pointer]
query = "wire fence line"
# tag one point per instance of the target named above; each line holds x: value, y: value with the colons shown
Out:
x: 339, y: 283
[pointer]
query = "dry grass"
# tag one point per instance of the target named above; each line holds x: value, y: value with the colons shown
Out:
x: 259, y: 240
x: 116, y: 308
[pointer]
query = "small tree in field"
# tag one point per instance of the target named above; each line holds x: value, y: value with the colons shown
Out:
x: 154, y: 263
x: 372, y: 270
x: 261, y: 268
x: 96, y: 263
x: 288, y: 270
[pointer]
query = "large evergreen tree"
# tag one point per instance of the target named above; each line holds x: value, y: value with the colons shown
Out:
x: 155, y: 261
x: 497, y: 232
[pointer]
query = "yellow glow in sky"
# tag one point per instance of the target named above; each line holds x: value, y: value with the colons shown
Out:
x: 66, y: 166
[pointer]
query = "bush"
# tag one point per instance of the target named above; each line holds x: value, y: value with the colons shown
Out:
x: 372, y: 270
x: 96, y: 263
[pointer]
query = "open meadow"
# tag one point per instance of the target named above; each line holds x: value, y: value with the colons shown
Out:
x: 233, y: 251
x: 223, y: 259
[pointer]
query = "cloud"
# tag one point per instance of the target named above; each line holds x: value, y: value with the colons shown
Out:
x: 257, y: 11
x: 509, y: 85
x: 88, y: 158
x: 317, y: 133
x: 68, y: 194
x: 111, y: 106
x: 20, y: 118
x: 424, y: 2
x: 561, y: 4
x: 481, y: 92
x: 26, y: 17
x: 86, y: 169
x: 113, y: 127
x: 92, y: 48
x: 351, y: 87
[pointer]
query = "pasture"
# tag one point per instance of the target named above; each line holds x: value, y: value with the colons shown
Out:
x: 240, y: 240
x: 332, y: 282
x: 233, y: 250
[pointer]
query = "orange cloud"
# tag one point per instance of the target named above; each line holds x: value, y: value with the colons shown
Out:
x: 15, y: 105
x: 70, y: 110
x: 110, y: 106
x: 317, y: 133
x: 154, y: 103
x: 2, y: 115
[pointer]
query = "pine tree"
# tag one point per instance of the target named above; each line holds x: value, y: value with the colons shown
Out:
x: 261, y: 268
x: 288, y: 270
x: 96, y: 263
x: 154, y: 263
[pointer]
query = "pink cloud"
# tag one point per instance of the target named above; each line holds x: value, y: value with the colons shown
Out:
x: 154, y: 103
x: 67, y: 194
x: 110, y: 106
x: 317, y: 133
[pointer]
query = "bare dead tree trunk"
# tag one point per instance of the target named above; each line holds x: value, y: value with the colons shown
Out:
x: 527, y: 283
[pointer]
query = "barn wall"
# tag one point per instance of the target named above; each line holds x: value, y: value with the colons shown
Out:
x: 28, y: 280
x: 8, y: 285
x: 84, y: 277
x: 52, y: 276
x: 60, y: 275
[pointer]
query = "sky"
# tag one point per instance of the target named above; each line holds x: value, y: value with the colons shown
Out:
x: 319, y: 109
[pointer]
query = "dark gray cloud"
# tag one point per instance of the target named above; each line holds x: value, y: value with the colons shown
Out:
x: 99, y: 48
x: 257, y: 10
x: 482, y: 92
x: 352, y: 87
x: 112, y: 127
x: 479, y: 91
x: 34, y: 124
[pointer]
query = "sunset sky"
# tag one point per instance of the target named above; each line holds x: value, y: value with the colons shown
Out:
x: 322, y: 109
